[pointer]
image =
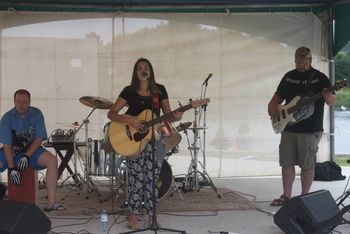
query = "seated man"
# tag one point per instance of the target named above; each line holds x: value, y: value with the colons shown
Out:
x: 22, y: 131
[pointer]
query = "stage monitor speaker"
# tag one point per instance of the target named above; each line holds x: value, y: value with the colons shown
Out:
x: 310, y: 213
x: 22, y: 218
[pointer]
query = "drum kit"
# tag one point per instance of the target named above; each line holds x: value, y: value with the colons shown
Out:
x: 100, y: 159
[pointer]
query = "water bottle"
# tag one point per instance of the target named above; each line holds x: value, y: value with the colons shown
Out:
x: 104, y: 220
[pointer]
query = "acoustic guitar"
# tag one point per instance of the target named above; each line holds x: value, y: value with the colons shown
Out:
x: 289, y: 113
x: 129, y: 141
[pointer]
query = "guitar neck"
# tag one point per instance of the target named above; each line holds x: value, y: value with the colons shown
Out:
x: 306, y: 101
x: 166, y: 116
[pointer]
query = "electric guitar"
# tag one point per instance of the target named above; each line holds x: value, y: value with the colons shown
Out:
x: 289, y: 113
x: 129, y: 141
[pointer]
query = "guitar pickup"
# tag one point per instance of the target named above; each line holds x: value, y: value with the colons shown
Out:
x: 283, y: 114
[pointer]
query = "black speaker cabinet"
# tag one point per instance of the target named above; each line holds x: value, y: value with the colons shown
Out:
x: 314, y: 212
x: 22, y: 218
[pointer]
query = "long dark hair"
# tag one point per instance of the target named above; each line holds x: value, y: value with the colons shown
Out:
x: 135, y: 82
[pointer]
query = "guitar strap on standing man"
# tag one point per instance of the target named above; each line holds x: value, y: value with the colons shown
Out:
x: 306, y: 110
x: 299, y: 142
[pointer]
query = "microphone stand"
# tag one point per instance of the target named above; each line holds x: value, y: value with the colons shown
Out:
x: 206, y: 177
x: 154, y: 226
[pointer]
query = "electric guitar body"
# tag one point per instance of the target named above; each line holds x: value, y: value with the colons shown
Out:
x: 299, y: 108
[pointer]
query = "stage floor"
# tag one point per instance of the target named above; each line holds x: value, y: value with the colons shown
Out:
x: 261, y: 190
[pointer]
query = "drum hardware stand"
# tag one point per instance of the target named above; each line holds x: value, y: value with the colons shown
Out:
x: 86, y: 182
x: 116, y: 185
x: 176, y: 189
x: 344, y: 196
x: 113, y: 189
x: 154, y: 226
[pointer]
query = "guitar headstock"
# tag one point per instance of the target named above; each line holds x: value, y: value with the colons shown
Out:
x: 199, y: 103
x: 340, y: 84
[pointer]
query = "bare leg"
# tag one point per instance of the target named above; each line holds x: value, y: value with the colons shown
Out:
x: 49, y: 161
x: 133, y: 222
x: 288, y: 175
x: 306, y: 177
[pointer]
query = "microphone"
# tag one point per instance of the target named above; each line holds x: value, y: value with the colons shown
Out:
x: 146, y: 76
x: 206, y: 80
x: 151, y: 86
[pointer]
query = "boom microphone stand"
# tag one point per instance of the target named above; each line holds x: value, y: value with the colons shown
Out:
x: 206, y: 178
x: 153, y: 89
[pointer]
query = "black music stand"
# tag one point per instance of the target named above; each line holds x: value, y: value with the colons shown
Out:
x: 154, y: 226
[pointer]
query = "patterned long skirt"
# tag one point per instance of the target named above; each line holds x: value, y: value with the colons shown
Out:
x: 140, y: 179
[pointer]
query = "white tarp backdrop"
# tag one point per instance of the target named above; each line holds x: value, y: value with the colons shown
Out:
x: 60, y: 57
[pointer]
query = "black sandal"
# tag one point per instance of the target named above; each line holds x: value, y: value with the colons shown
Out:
x: 55, y: 207
x: 280, y: 201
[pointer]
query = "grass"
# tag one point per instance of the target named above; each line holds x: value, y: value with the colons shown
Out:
x: 342, y: 160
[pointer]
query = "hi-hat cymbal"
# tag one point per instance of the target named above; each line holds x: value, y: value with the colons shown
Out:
x: 183, y: 126
x: 96, y: 102
x: 198, y: 128
x: 71, y: 125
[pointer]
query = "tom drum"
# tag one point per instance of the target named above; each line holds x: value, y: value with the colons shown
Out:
x: 102, y: 163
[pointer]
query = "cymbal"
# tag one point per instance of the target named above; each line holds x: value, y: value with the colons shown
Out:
x: 198, y: 128
x: 183, y: 126
x: 71, y: 125
x: 75, y: 125
x: 96, y: 102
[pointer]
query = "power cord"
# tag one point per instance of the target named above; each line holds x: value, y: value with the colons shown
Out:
x: 220, y: 232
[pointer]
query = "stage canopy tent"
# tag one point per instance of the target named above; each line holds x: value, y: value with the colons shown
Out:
x: 339, y: 9
x: 63, y: 50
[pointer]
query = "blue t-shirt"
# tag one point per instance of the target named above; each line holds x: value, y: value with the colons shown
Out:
x: 21, y: 132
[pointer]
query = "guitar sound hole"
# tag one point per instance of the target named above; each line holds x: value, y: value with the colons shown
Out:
x: 138, y: 136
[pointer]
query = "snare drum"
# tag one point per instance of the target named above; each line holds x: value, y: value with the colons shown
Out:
x: 171, y: 137
x: 106, y: 144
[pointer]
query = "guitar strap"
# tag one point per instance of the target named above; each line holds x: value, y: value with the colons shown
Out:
x: 306, y: 111
x: 155, y: 97
x: 310, y: 79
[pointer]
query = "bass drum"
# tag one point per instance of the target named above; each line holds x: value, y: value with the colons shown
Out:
x: 163, y: 183
x: 165, y: 180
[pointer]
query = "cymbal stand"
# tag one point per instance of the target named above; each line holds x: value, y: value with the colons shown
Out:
x: 87, y: 182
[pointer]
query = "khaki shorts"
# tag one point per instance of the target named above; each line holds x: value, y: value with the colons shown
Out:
x: 299, y: 149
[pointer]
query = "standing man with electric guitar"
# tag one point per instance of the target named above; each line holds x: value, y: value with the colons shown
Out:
x: 139, y: 98
x: 301, y: 136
